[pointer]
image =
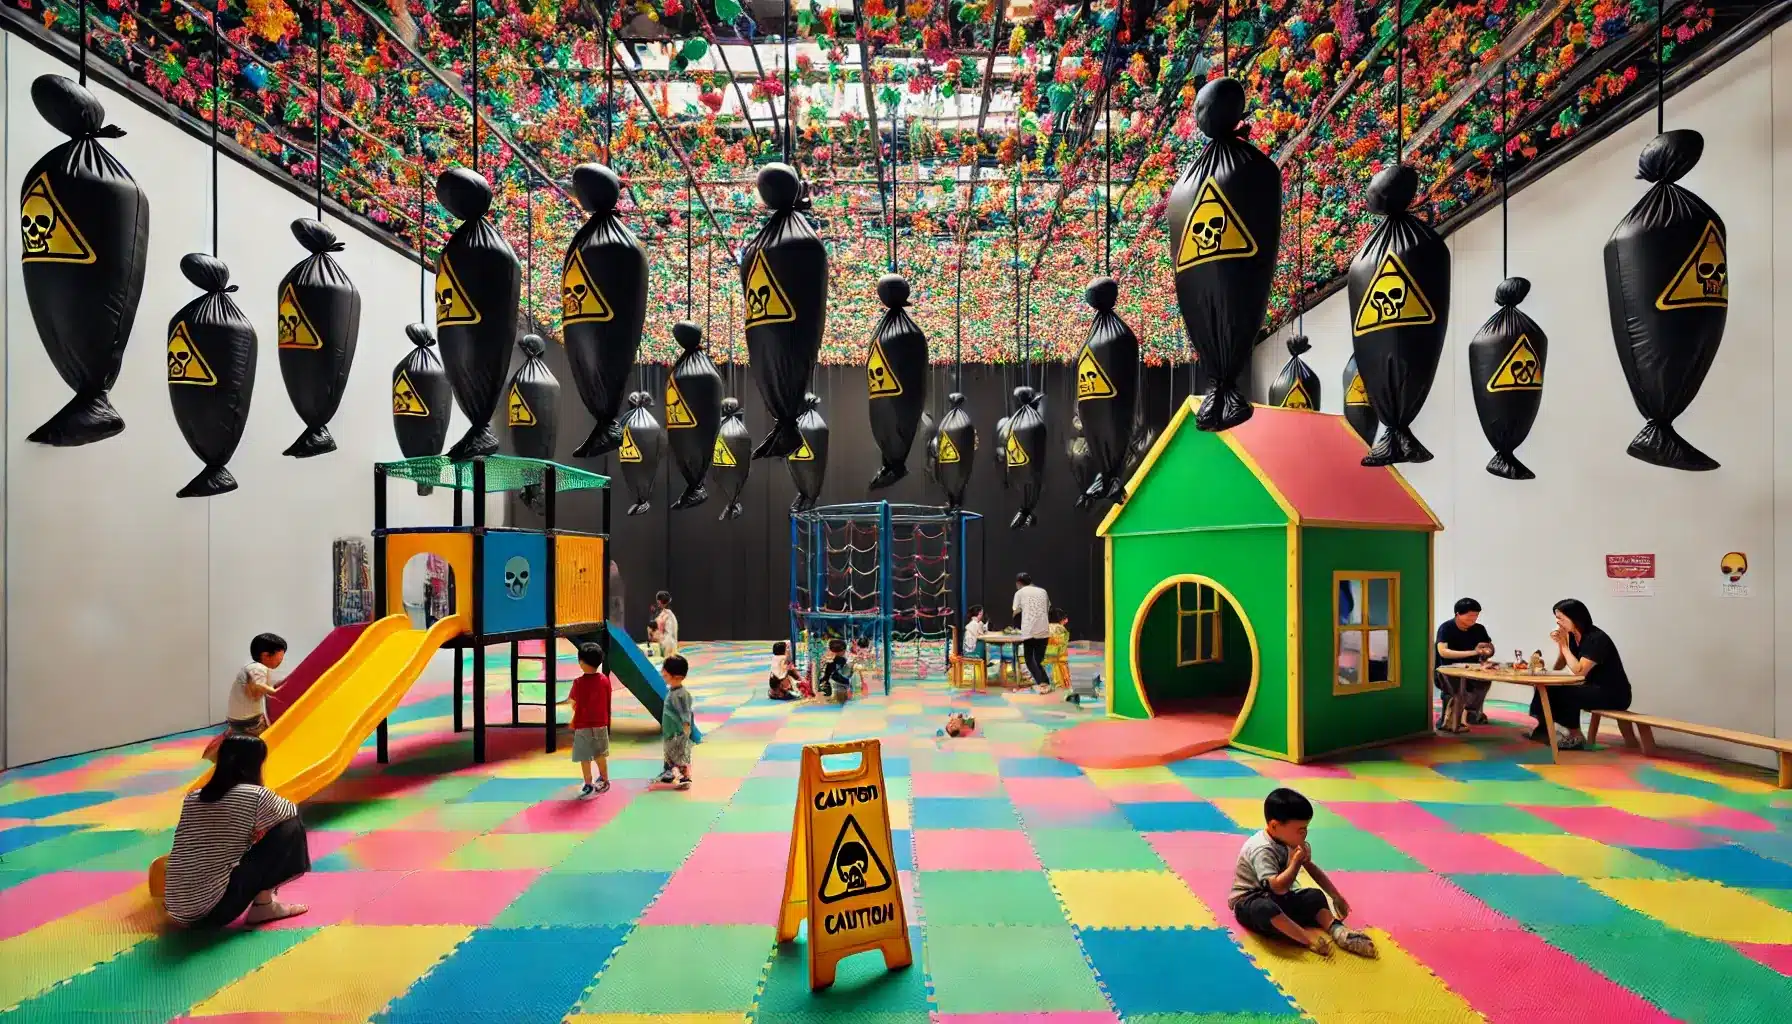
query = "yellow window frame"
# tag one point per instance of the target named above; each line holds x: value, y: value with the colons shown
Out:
x: 1363, y: 631
x: 1209, y: 648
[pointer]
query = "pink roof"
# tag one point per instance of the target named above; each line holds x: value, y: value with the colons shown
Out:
x: 1314, y: 461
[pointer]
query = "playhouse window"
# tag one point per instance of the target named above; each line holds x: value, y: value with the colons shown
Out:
x: 1366, y: 619
x: 1197, y: 625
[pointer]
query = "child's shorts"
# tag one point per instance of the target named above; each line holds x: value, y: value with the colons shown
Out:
x: 591, y: 744
x: 1256, y: 910
x: 248, y: 726
x: 678, y: 751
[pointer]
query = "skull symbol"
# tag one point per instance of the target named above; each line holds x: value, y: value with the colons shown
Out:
x: 1088, y: 380
x: 1524, y: 371
x: 1713, y: 271
x: 178, y: 358
x: 289, y: 326
x: 851, y: 864
x: 1208, y: 225
x: 444, y: 301
x: 516, y: 577
x: 572, y: 297
x: 758, y: 301
x: 878, y: 376
x: 37, y: 219
x: 1735, y: 566
x: 402, y: 397
x: 1387, y: 295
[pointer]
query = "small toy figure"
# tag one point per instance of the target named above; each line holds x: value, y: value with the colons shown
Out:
x: 959, y: 724
x: 1537, y: 668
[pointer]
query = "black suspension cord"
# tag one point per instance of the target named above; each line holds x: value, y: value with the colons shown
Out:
x: 1505, y: 141
x: 217, y: 64
x: 1225, y: 38
x: 1016, y: 206
x: 958, y: 321
x: 422, y: 220
x: 789, y: 124
x: 529, y: 249
x: 1107, y: 180
x: 84, y: 41
x: 1399, y: 80
x: 1300, y: 256
x: 1661, y: 61
x: 473, y: 85
x: 894, y: 211
x: 317, y: 115
x: 609, y: 86
x: 690, y: 295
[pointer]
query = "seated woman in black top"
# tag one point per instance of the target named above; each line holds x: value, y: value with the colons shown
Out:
x: 1585, y: 650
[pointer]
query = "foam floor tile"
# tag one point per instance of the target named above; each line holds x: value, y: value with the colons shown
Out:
x: 535, y: 974
x: 569, y: 814
x: 517, y: 850
x: 1072, y: 849
x: 1197, y: 852
x: 68, y: 850
x: 1702, y: 908
x: 1352, y: 849
x: 954, y: 784
x: 980, y: 849
x: 963, y: 812
x: 1385, y: 818
x: 1399, y: 900
x: 1132, y: 966
x: 1111, y: 778
x: 1057, y: 791
x: 1453, y: 852
x: 162, y: 977
x: 1614, y: 827
x: 1213, y: 766
x: 1690, y: 978
x: 331, y: 896
x: 44, y: 898
x: 1542, y: 900
x: 1583, y: 857
x: 718, y: 897
x: 346, y: 970
x: 1036, y: 768
x: 1730, y: 865
x: 1394, y: 985
x: 1486, y: 819
x: 399, y: 850
x: 445, y: 898
x: 1129, y: 899
x: 990, y: 897
x: 653, y: 973
x: 864, y: 990
x: 1180, y: 816
x: 1008, y: 968
x: 1774, y: 956
x: 1651, y: 804
x: 1515, y: 977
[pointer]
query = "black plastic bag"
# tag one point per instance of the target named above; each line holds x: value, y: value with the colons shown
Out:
x: 895, y: 381
x: 1357, y: 410
x: 84, y: 229
x: 478, y: 282
x: 809, y: 463
x: 955, y: 450
x: 1107, y: 393
x: 1505, y: 374
x: 1667, y: 279
x: 784, y: 277
x: 643, y: 442
x: 420, y: 399
x: 603, y: 297
x: 320, y: 324
x: 693, y: 412
x: 732, y: 458
x: 1296, y: 386
x: 211, y: 373
x: 532, y: 412
x: 1400, y: 291
x: 1082, y: 463
x: 1144, y: 435
x: 1225, y: 223
x: 1025, y: 453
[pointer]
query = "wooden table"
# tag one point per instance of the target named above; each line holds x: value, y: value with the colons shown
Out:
x: 1007, y: 663
x: 1540, y: 681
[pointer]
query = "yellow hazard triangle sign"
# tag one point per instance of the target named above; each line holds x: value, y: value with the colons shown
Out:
x: 766, y: 301
x: 879, y: 379
x: 678, y: 414
x: 722, y: 456
x: 1017, y: 456
x: 1297, y: 397
x: 1393, y: 299
x: 630, y: 451
x: 803, y: 454
x: 1213, y: 231
x: 295, y: 327
x: 405, y: 399
x: 580, y: 301
x: 1704, y: 279
x: 948, y: 450
x: 185, y: 364
x: 854, y: 868
x: 1091, y: 380
x: 452, y: 304
x: 520, y: 415
x: 1521, y: 370
x: 48, y: 235
x: 1356, y: 394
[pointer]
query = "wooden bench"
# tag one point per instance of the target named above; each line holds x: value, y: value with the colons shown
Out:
x: 1643, y: 736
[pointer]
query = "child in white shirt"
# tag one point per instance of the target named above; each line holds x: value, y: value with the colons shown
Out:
x: 974, y: 628
x: 778, y: 687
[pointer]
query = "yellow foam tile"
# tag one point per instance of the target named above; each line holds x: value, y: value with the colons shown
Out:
x: 114, y: 813
x: 1346, y: 989
x: 1651, y: 804
x: 1130, y: 899
x: 1109, y: 778
x: 646, y: 1018
x: 1445, y: 753
x: 344, y: 969
x: 901, y: 816
x: 1760, y: 784
x: 1248, y: 813
x: 1435, y: 790
x: 1580, y: 857
x: 1703, y: 908
x: 35, y: 960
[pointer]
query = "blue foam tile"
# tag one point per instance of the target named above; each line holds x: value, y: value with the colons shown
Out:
x: 519, y: 791
x: 1212, y: 766
x: 27, y: 835
x: 1177, y: 816
x: 1731, y: 865
x: 904, y: 847
x: 1036, y: 768
x: 595, y: 898
x: 50, y: 806
x: 783, y: 752
x: 1777, y: 845
x: 895, y: 765
x: 1183, y: 970
x: 964, y: 812
x: 1036, y: 816
x: 1544, y: 900
x: 1484, y: 771
x: 532, y: 973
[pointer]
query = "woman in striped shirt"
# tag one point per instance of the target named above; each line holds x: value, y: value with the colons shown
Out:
x: 236, y: 843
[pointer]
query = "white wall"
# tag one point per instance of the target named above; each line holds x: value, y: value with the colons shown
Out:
x: 1519, y: 547
x: 130, y: 609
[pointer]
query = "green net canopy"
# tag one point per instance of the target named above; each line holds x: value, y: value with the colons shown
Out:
x: 502, y: 473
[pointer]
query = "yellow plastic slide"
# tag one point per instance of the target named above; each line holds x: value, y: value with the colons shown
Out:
x: 318, y: 736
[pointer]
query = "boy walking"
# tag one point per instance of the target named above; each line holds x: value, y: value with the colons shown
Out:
x: 590, y: 700
x: 1264, y: 898
x: 675, y: 723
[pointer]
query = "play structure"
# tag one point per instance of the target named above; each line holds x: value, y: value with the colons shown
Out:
x: 892, y: 574
x: 1290, y: 602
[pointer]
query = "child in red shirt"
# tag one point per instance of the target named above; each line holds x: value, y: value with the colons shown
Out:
x: 590, y: 700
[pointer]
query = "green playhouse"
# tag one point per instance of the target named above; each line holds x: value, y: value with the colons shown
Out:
x: 1264, y: 574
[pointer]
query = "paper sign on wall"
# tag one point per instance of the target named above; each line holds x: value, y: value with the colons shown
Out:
x: 1631, y: 575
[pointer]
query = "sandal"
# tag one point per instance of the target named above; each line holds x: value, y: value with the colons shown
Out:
x: 1320, y: 943
x: 262, y: 913
x: 1354, y: 942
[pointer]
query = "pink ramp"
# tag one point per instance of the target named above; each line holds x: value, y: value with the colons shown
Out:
x: 335, y: 644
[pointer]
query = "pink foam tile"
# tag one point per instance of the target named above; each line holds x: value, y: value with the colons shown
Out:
x: 974, y: 849
x: 1149, y: 792
x: 446, y: 897
x: 1514, y: 977
x: 726, y: 852
x: 1465, y: 853
x: 569, y: 815
x: 1776, y: 956
x: 77, y: 780
x: 1285, y: 770
x: 1597, y: 776
x: 1383, y: 818
x: 45, y: 898
x: 1397, y: 900
x: 717, y: 897
x: 403, y: 850
x: 954, y: 784
x: 1197, y: 853
x: 1730, y: 817
x: 1038, y: 1017
x: 776, y: 770
x: 333, y: 896
x: 325, y: 842
x: 1066, y: 793
x: 1615, y: 827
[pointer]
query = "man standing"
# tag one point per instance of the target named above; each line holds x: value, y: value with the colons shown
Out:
x: 1462, y: 640
x: 1032, y: 610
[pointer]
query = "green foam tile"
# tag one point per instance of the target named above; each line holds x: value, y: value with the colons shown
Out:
x: 1781, y: 898
x: 1009, y: 969
x: 1694, y: 979
x: 989, y: 898
x: 1533, y: 794
x: 1352, y: 849
x: 1486, y: 819
x: 365, y: 815
x: 135, y: 857
x: 680, y: 969
x: 469, y: 816
x: 1094, y: 849
x: 610, y: 850
x: 955, y: 761
x: 669, y: 810
x: 1214, y: 1018
x: 770, y: 792
x: 159, y: 979
x: 1228, y: 786
x: 73, y: 850
x: 755, y: 818
x: 862, y: 986
x: 515, y: 850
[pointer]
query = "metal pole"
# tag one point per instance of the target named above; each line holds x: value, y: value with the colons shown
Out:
x: 460, y: 684
x: 478, y: 600
x: 379, y: 582
x: 550, y: 482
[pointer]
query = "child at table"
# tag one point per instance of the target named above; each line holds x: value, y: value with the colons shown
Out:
x: 974, y: 628
x: 778, y: 687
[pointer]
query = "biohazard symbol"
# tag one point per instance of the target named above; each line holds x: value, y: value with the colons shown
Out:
x: 1091, y: 380
x: 295, y: 327
x: 722, y: 456
x: 1704, y: 279
x: 1213, y: 231
x: 630, y: 451
x: 854, y: 868
x: 1017, y: 456
x: 1521, y: 370
x: 1356, y: 394
x: 803, y: 454
x: 766, y: 301
x: 678, y: 414
x: 580, y: 301
x: 453, y: 306
x: 405, y: 399
x: 948, y: 450
x: 1393, y: 300
x: 1297, y: 397
x: 878, y: 379
x: 50, y: 237
x: 519, y: 415
x: 185, y: 364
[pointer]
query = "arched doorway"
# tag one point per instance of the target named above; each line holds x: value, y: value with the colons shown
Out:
x: 1194, y: 651
x: 428, y: 589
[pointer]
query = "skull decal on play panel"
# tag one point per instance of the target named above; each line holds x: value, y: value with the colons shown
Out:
x: 1735, y: 566
x: 516, y: 577
x: 851, y: 864
x: 37, y: 219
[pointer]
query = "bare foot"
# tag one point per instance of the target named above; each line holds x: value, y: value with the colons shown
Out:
x: 1320, y: 943
x: 262, y: 913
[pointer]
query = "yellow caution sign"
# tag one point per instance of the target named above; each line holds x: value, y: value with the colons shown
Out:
x: 722, y: 456
x: 841, y: 873
x: 452, y: 303
x: 1213, y: 231
x: 1017, y: 456
x: 1521, y: 370
x: 519, y: 415
x: 1297, y: 397
x: 1703, y: 280
x: 1091, y: 380
x: 185, y: 364
x: 48, y: 234
x: 879, y: 380
x: 803, y: 454
x: 678, y: 414
x: 766, y: 301
x: 948, y: 450
x: 405, y: 399
x: 1356, y: 393
x: 295, y: 327
x: 630, y: 451
x: 580, y: 301
x: 1393, y: 300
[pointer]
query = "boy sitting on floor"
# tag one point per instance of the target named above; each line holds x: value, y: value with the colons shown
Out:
x: 1264, y: 898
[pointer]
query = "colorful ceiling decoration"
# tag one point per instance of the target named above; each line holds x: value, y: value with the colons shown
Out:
x: 989, y: 131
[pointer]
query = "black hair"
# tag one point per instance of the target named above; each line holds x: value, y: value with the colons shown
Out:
x: 1466, y: 605
x: 266, y: 644
x: 837, y: 646
x: 664, y: 597
x: 780, y: 648
x: 592, y: 655
x: 974, y: 611
x: 1056, y: 614
x: 863, y: 641
x: 1286, y: 805
x: 240, y: 757
x: 1577, y: 613
x: 676, y: 666
x: 1025, y: 579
